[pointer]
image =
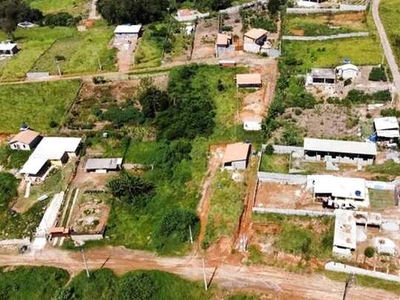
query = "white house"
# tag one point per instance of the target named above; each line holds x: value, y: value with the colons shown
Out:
x: 252, y: 124
x: 50, y: 151
x: 339, y: 192
x: 25, y: 140
x: 387, y: 129
x: 8, y: 49
x: 347, y: 71
x: 255, y: 39
x: 127, y: 31
x: 236, y: 156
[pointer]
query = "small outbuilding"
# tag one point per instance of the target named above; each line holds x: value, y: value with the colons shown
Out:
x: 387, y: 129
x: 236, y: 156
x: 248, y: 80
x: 25, y: 140
x: 254, y: 40
x: 345, y: 233
x: 347, y: 71
x: 8, y: 49
x: 127, y: 31
x: 222, y: 44
x: 252, y: 124
x: 103, y: 165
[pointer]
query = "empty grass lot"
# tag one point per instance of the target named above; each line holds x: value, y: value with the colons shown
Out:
x: 83, y: 52
x: 226, y: 207
x: 32, y: 43
x: 74, y: 7
x: 390, y: 16
x: 35, y: 103
x: 275, y: 163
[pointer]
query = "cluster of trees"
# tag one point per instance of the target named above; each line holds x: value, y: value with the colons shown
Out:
x: 8, y: 189
x: 60, y: 19
x: 378, y: 74
x: 131, y: 189
x: 13, y: 12
x: 132, y: 11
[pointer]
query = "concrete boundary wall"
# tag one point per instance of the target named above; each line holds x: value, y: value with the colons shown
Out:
x: 293, y: 212
x: 282, y: 178
x: 325, y: 37
x: 237, y: 8
x: 380, y: 185
x: 280, y: 149
x: 342, y: 8
x: 339, y: 267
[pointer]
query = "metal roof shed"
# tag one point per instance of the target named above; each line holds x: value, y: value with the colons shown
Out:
x: 337, y: 146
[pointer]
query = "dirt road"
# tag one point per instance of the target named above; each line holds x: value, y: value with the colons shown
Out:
x: 386, y: 47
x: 282, y: 284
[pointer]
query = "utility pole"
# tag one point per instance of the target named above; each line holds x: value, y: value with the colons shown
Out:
x: 190, y: 233
x: 58, y: 67
x: 85, y: 263
x: 204, y: 276
x: 349, y: 281
x: 98, y: 60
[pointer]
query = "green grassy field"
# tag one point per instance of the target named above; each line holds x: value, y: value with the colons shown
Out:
x: 149, y: 51
x: 39, y: 46
x: 84, y: 52
x: 74, y: 7
x: 35, y: 103
x: 316, y: 25
x: 390, y: 15
x: 141, y: 152
x: 275, y: 163
x: 226, y: 207
x: 34, y: 283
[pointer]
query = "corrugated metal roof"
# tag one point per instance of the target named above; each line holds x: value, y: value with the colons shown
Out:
x: 323, y: 73
x: 341, y: 187
x: 386, y: 123
x: 335, y: 146
x: 222, y: 39
x: 255, y: 33
x: 25, y: 136
x: 103, y: 163
x: 128, y: 29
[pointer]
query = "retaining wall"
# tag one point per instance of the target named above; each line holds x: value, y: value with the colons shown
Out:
x: 338, y: 267
x: 342, y: 8
x: 293, y: 212
x: 282, y: 178
x: 325, y: 37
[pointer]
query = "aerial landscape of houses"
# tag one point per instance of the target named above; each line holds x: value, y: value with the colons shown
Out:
x: 199, y: 149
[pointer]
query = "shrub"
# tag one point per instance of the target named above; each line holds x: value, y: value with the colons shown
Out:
x: 297, y: 111
x: 53, y: 124
x: 8, y: 189
x: 390, y: 112
x: 369, y: 252
x: 269, y: 149
x: 377, y: 74
x: 368, y: 116
x: 139, y: 286
x: 226, y: 28
x: 60, y: 19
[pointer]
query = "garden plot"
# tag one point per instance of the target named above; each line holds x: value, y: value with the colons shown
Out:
x: 205, y: 37
x: 90, y: 213
x: 179, y: 45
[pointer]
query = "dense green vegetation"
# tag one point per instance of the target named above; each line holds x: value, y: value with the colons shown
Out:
x: 36, y: 104
x: 35, y: 283
x: 275, y: 163
x: 11, y: 159
x: 8, y: 189
x: 378, y: 74
x: 389, y: 167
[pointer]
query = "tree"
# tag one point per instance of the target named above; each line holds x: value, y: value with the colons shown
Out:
x: 152, y: 101
x: 138, y: 286
x: 274, y: 5
x: 132, y: 11
x: 131, y: 189
x: 369, y: 252
x: 14, y: 11
x: 65, y: 293
x: 8, y: 189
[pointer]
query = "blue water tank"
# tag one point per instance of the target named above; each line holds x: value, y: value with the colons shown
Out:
x: 358, y: 193
x: 373, y: 138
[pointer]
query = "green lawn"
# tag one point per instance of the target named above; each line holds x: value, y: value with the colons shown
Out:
x: 33, y: 283
x: 83, y: 53
x: 36, y: 104
x: 390, y: 15
x: 39, y: 46
x: 32, y: 44
x: 381, y: 199
x: 315, y: 25
x: 226, y: 208
x: 141, y: 152
x: 74, y: 7
x: 149, y: 51
x: 276, y: 163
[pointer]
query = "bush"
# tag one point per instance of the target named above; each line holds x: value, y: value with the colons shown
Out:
x: 297, y: 111
x: 269, y: 149
x: 369, y: 252
x: 138, y: 286
x: 8, y: 189
x: 53, y: 124
x: 390, y: 112
x: 226, y: 28
x: 377, y: 74
x: 60, y: 19
x: 131, y: 189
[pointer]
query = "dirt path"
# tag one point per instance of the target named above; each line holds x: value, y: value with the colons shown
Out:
x: 282, y: 284
x: 386, y: 47
x: 214, y: 162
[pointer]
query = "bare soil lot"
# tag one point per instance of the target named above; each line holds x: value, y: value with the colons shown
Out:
x: 205, y: 37
x: 277, y: 195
